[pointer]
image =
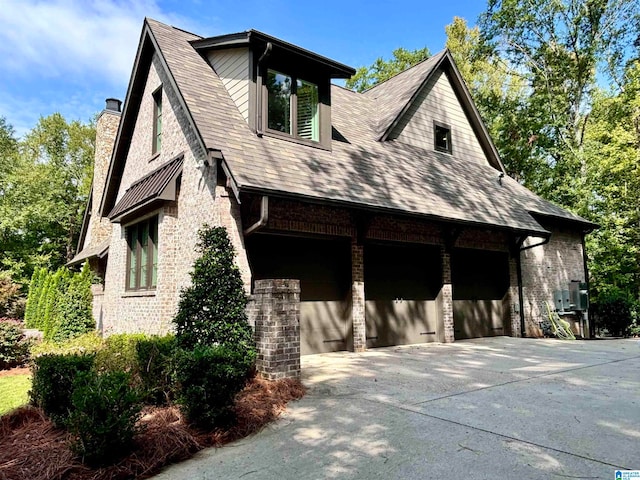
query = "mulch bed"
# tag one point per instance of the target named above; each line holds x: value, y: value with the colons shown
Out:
x: 32, y: 448
x: 15, y: 371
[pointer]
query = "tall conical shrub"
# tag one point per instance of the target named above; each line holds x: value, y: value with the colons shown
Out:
x: 56, y: 289
x: 41, y: 300
x: 212, y: 310
x: 73, y: 310
x: 35, y: 290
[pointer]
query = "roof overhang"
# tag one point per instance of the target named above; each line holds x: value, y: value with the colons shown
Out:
x: 158, y: 185
x: 259, y: 40
x: 96, y: 251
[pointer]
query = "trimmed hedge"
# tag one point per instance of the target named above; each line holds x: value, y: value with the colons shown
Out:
x: 53, y: 379
x: 209, y: 378
x: 103, y: 420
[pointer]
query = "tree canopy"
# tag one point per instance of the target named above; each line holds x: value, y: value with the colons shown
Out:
x: 44, y: 184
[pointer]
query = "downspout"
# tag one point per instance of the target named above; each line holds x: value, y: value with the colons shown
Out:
x: 264, y: 217
x: 520, y: 248
x: 263, y: 57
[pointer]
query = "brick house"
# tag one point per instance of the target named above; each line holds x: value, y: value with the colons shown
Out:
x: 390, y: 207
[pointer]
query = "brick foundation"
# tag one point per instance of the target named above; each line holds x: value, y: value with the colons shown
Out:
x: 275, y: 308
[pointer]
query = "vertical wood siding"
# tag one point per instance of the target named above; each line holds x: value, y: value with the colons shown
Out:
x: 438, y: 102
x: 232, y: 66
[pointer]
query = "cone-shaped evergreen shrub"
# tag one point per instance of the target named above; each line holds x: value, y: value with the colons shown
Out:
x: 212, y: 309
x: 35, y: 290
x: 73, y: 311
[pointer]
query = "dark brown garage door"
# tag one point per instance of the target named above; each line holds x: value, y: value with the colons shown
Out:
x: 324, y: 270
x: 480, y: 281
x: 401, y: 285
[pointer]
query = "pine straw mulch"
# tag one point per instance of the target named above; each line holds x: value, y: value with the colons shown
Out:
x: 32, y: 448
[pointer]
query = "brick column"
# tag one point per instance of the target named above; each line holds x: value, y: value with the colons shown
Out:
x: 357, y: 298
x: 276, y: 309
x: 446, y: 297
x: 512, y: 305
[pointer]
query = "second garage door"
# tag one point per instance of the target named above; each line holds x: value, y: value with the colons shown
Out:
x: 401, y: 286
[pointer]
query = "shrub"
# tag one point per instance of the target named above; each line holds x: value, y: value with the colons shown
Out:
x: 73, y: 309
x: 10, y: 297
x: 85, y: 344
x: 613, y: 312
x: 156, y: 368
x: 120, y: 353
x: 52, y: 387
x: 105, y: 412
x: 55, y: 290
x: 14, y: 347
x: 33, y: 297
x: 209, y: 378
x: 212, y: 310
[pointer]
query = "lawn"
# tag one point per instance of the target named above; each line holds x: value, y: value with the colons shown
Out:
x: 14, y: 390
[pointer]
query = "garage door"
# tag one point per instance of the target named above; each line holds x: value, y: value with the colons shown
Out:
x: 401, y: 285
x: 480, y: 281
x: 324, y: 270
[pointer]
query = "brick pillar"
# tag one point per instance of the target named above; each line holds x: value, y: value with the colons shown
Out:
x: 446, y: 297
x: 276, y: 305
x: 357, y: 298
x: 97, y: 291
x: 512, y: 305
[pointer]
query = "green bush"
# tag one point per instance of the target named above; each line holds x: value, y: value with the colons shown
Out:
x: 209, y: 378
x: 119, y: 353
x: 105, y: 412
x: 14, y: 347
x: 55, y: 291
x: 85, y: 344
x: 52, y: 387
x: 156, y: 368
x: 33, y: 297
x: 212, y: 310
x: 614, y: 312
x: 73, y: 309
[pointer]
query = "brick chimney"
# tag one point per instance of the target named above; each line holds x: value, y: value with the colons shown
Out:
x: 106, y: 131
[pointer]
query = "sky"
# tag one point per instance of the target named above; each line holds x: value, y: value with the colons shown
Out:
x: 68, y: 56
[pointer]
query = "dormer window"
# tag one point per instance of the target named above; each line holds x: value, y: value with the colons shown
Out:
x: 292, y: 106
x: 442, y: 137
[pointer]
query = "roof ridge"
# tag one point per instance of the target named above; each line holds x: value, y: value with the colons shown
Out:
x: 393, y: 77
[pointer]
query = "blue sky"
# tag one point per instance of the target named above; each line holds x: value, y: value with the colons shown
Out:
x: 67, y: 56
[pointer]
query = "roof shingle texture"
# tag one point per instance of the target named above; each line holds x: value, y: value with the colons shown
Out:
x: 359, y: 170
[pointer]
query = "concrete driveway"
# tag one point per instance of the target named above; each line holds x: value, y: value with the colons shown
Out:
x: 500, y: 407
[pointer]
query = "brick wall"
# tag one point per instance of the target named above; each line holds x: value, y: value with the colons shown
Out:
x: 358, y: 298
x: 199, y: 201
x: 276, y: 312
x: 547, y: 268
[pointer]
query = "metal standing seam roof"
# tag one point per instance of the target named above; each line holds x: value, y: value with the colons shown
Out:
x: 149, y: 188
x: 359, y: 171
x: 99, y: 251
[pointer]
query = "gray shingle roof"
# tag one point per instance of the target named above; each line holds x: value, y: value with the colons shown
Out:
x: 359, y: 170
x: 395, y: 94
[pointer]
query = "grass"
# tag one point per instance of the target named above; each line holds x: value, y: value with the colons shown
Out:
x: 14, y: 390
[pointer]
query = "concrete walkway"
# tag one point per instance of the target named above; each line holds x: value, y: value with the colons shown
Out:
x: 500, y: 407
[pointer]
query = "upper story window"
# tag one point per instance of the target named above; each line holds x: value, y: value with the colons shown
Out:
x: 142, y: 255
x: 292, y: 106
x: 442, y: 137
x: 157, y: 121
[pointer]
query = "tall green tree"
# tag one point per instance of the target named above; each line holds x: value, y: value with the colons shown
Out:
x: 561, y: 48
x: 381, y: 69
x: 44, y: 184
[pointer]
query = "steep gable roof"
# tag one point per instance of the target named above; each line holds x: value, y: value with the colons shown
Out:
x: 360, y: 170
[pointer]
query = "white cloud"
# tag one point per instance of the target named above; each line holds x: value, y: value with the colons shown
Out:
x: 74, y: 39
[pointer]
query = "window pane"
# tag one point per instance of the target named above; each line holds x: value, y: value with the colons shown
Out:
x: 157, y: 121
x: 153, y: 231
x: 442, y: 138
x: 144, y: 253
x: 279, y: 102
x: 132, y: 241
x: 307, y: 110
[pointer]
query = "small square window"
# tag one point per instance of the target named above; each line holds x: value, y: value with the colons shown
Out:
x: 442, y: 137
